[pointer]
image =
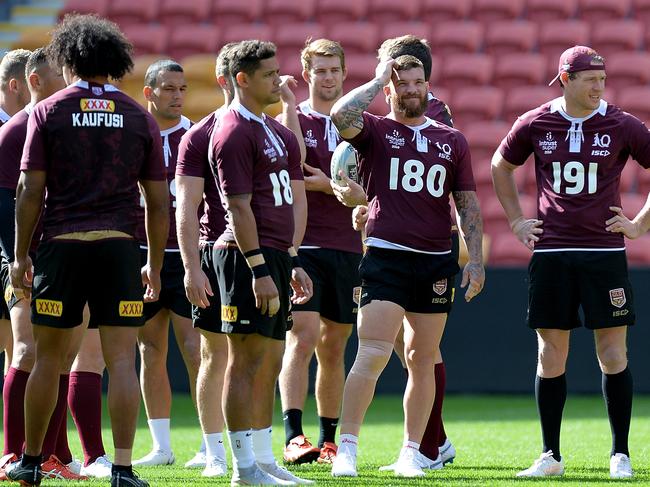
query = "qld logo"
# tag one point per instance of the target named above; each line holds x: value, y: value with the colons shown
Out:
x: 617, y: 297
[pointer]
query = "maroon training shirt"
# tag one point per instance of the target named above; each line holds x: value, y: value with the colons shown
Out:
x: 12, y: 140
x: 258, y: 156
x: 95, y: 143
x: 194, y: 160
x: 578, y: 164
x: 409, y: 174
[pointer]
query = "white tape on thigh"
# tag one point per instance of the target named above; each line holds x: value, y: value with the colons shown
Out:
x: 372, y: 357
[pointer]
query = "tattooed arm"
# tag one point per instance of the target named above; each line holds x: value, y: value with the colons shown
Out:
x: 347, y: 112
x: 471, y: 227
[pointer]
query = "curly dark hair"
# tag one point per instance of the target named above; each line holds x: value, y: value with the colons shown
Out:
x: 247, y: 55
x: 411, y: 45
x: 90, y: 46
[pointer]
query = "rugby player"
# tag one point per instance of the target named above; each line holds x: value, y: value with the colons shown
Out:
x: 14, y: 95
x: 580, y: 144
x: 435, y: 446
x: 330, y: 253
x: 87, y: 149
x: 197, y: 190
x: 410, y: 165
x: 164, y: 91
x: 257, y: 163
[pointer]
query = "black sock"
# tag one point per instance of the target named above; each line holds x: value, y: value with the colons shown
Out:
x: 122, y: 469
x: 327, y: 430
x: 617, y: 391
x: 551, y: 396
x: 292, y: 424
x: 31, y: 460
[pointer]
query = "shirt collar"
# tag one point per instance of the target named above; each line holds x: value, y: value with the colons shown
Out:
x: 4, y: 116
x: 556, y: 106
x: 246, y: 113
x: 184, y: 123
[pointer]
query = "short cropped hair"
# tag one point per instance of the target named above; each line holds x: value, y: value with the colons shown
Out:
x: 408, y: 44
x: 406, y: 62
x: 158, y: 67
x: 321, y: 47
x: 12, y: 66
x: 223, y: 60
x: 37, y: 59
x: 90, y: 46
x: 246, y: 56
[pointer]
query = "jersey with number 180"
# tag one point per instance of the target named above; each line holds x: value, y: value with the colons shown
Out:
x: 578, y: 164
x: 258, y: 156
x: 408, y: 174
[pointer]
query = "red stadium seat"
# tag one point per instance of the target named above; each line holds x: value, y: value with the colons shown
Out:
x: 484, y: 138
x: 643, y: 186
x: 515, y: 70
x: 626, y: 69
x: 147, y: 38
x: 331, y: 12
x: 557, y: 36
x: 239, y: 32
x: 436, y: 12
x: 229, y: 12
x: 507, y: 251
x: 630, y: 177
x: 356, y: 37
x: 194, y: 39
x: 632, y: 202
x: 290, y: 38
x: 488, y: 11
x: 636, y: 100
x: 475, y: 104
x: 638, y: 251
x: 460, y: 70
x: 127, y: 12
x: 617, y: 35
x: 397, y: 29
x: 524, y: 98
x: 457, y: 37
x: 542, y: 11
x: 510, y: 36
x: 290, y: 63
x: 278, y: 12
x: 361, y: 69
x: 388, y: 11
x: 441, y: 94
x: 133, y: 82
x: 175, y: 13
x: 641, y: 10
x: 99, y: 7
x: 594, y: 11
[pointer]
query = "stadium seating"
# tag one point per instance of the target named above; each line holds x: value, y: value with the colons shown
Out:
x: 361, y: 69
x: 194, y: 39
x: 279, y: 12
x: 395, y: 29
x: 37, y: 36
x: 630, y: 177
x: 638, y: 251
x: 331, y: 12
x: 617, y: 35
x: 522, y: 98
x: 476, y: 104
x: 636, y: 100
x: 507, y: 251
x: 641, y: 10
x: 237, y: 32
x: 173, y: 12
x: 357, y: 37
x: 100, y: 7
x: 435, y: 12
x: 229, y: 12
x: 556, y: 36
x: 459, y: 70
x: 128, y: 12
x: 487, y: 11
x: 484, y: 138
x: 147, y: 38
x: 505, y: 37
x: 290, y: 38
x: 595, y: 11
x: 457, y: 37
x: 627, y: 69
x: 387, y: 11
x: 518, y: 69
x: 199, y: 71
x: 197, y: 99
x: 542, y: 11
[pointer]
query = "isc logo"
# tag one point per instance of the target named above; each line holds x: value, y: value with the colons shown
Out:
x: 603, y: 153
x: 130, y: 309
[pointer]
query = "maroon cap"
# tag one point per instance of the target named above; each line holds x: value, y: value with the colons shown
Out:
x: 579, y: 58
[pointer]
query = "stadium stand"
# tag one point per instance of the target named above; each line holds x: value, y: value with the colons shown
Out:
x: 229, y: 12
x: 457, y: 37
x: 188, y: 39
x: 435, y: 12
x: 357, y: 37
x: 542, y: 11
x: 388, y: 11
x: 281, y: 12
x: 187, y: 12
x: 505, y: 37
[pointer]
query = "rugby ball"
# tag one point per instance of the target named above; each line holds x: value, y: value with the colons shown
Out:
x: 345, y: 158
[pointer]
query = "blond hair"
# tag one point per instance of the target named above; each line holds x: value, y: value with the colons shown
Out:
x: 321, y: 47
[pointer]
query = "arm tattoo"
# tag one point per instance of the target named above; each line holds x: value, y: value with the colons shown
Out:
x: 351, y: 106
x: 471, y: 224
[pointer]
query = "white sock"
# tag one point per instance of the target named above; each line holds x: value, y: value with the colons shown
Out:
x: 411, y: 444
x: 241, y: 445
x: 263, y: 446
x: 160, y: 433
x: 202, y: 449
x: 213, y: 445
x: 348, y: 444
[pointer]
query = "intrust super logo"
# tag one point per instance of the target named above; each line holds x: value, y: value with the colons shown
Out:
x: 49, y: 307
x: 130, y: 309
x: 97, y: 105
x: 228, y: 313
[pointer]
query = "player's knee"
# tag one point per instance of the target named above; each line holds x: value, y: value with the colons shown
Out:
x: 612, y: 358
x: 331, y: 351
x: 23, y: 356
x: 552, y: 356
x: 421, y: 358
x: 151, y: 351
x: 372, y: 357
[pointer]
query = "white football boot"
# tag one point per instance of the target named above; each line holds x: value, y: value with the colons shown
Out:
x: 409, y: 464
x: 344, y: 464
x: 155, y: 458
x: 100, y: 468
x: 215, y: 467
x: 544, y: 466
x: 620, y: 466
x: 255, y: 476
x: 283, y: 474
x: 447, y: 452
x: 197, y: 461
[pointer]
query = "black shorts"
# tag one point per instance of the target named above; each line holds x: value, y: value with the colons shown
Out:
x: 103, y: 273
x: 172, y: 289
x: 335, y: 274
x: 419, y: 283
x: 238, y: 311
x: 9, y: 299
x: 208, y: 319
x: 561, y: 282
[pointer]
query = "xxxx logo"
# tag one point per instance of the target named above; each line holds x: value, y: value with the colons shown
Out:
x: 49, y: 307
x: 130, y: 309
x: 228, y: 313
x: 97, y: 105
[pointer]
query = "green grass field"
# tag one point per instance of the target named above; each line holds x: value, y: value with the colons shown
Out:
x: 494, y: 436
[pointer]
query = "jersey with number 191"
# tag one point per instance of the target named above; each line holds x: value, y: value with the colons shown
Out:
x: 578, y: 165
x: 258, y: 156
x: 408, y: 174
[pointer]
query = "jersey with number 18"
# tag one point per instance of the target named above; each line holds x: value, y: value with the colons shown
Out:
x: 578, y: 165
x: 408, y: 173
